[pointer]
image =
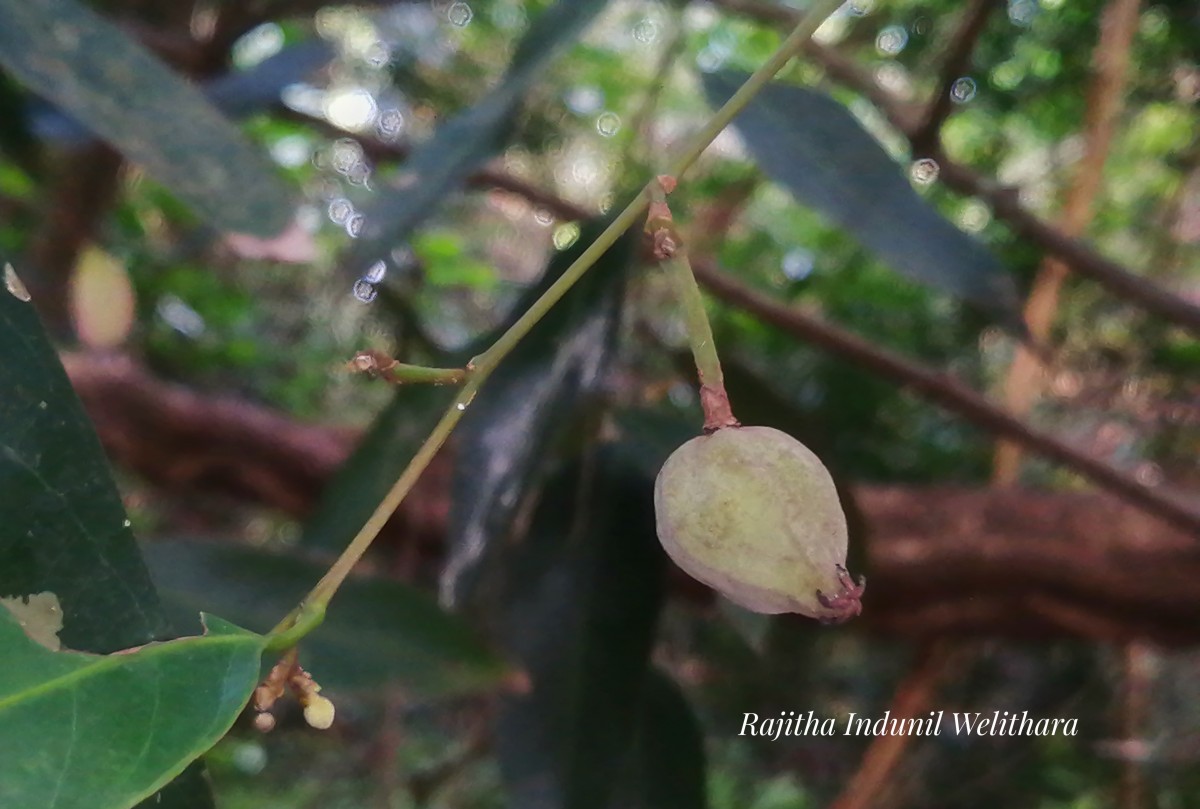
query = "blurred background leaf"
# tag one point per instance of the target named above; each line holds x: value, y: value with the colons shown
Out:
x: 381, y: 632
x: 67, y: 53
x: 463, y: 143
x: 581, y: 595
x: 512, y: 429
x: 815, y: 148
x: 64, y: 529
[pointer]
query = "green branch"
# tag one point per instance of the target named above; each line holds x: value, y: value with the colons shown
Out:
x: 308, y: 614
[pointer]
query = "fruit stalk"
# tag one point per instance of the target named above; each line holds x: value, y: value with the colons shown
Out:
x: 669, y: 250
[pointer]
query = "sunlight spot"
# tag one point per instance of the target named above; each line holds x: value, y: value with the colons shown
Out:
x: 645, y: 31
x: 1022, y: 12
x: 375, y: 272
x: 460, y: 14
x: 364, y: 290
x: 565, y: 235
x: 608, y: 124
x: 798, y: 264
x: 257, y: 45
x: 340, y: 210
x: 350, y: 108
x: 891, y: 40
x: 963, y: 90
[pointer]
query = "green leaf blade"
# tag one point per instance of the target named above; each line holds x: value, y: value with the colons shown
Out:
x: 88, y: 731
x: 63, y: 529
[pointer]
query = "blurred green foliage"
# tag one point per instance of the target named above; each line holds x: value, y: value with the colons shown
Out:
x: 280, y: 335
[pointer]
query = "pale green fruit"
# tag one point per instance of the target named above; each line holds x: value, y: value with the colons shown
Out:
x: 753, y: 513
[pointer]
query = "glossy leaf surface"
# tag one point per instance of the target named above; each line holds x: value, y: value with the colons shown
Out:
x: 102, y: 732
x: 63, y: 529
x: 520, y: 413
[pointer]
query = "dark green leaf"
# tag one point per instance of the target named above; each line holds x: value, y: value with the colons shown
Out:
x: 236, y: 94
x: 191, y: 789
x: 668, y: 753
x: 64, y: 530
x: 381, y: 455
x: 93, y: 732
x: 814, y: 147
x: 503, y: 441
x: 581, y: 595
x: 89, y: 67
x: 377, y: 631
x: 463, y: 144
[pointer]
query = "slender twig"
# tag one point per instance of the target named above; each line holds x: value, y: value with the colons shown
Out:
x: 311, y: 610
x: 378, y: 364
x: 954, y: 67
x: 1078, y: 255
x: 947, y: 393
x: 669, y: 250
x: 1110, y: 58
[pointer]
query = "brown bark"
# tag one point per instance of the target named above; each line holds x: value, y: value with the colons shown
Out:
x: 942, y: 561
x: 79, y: 198
x: 1026, y: 564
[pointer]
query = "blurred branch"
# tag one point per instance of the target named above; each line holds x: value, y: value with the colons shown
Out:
x: 382, y: 152
x: 1110, y: 60
x: 1138, y: 666
x: 1025, y: 564
x: 184, y: 440
x: 954, y: 66
x: 84, y: 186
x: 943, y: 561
x: 913, y: 698
x: 945, y: 391
x: 1004, y: 201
